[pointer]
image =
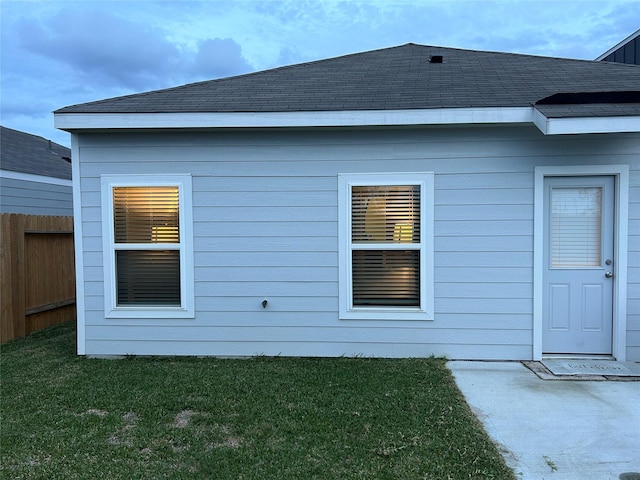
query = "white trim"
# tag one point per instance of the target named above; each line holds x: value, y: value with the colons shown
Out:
x: 350, y: 118
x: 575, y: 125
x: 78, y: 239
x: 341, y: 118
x: 426, y: 182
x: 183, y: 182
x: 29, y: 177
x: 621, y: 174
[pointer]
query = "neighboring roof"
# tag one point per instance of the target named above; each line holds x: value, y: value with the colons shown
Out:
x: 25, y: 153
x: 405, y: 78
x: 627, y: 51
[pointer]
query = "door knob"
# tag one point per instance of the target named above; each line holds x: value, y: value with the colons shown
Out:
x: 609, y: 274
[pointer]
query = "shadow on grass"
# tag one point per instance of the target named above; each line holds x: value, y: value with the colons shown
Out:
x: 60, y: 340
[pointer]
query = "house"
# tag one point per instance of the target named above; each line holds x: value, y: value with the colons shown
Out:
x: 627, y: 51
x: 403, y: 202
x: 35, y: 175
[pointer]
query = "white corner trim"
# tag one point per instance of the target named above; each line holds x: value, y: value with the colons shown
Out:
x: 29, y: 177
x: 621, y: 174
x: 436, y: 116
x: 78, y: 239
x: 540, y: 121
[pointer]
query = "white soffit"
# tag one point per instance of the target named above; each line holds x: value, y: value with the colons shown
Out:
x: 347, y: 118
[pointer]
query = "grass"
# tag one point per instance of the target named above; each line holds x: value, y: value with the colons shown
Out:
x: 69, y: 417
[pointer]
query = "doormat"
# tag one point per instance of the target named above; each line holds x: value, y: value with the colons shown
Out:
x: 605, y: 368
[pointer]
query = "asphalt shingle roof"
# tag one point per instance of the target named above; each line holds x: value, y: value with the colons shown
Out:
x: 26, y: 153
x: 393, y: 78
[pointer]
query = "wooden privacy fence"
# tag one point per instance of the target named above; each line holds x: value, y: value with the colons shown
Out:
x: 37, y: 273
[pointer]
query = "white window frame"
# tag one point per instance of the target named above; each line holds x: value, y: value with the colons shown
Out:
x: 425, y: 311
x: 185, y: 246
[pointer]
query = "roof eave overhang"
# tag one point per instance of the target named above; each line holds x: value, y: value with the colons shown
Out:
x: 549, y: 125
x: 74, y: 122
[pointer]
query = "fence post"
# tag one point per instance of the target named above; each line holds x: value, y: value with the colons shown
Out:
x: 12, y: 277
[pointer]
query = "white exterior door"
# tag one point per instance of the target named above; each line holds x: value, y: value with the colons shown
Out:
x: 578, y: 265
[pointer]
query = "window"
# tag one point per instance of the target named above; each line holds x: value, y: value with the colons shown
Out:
x: 147, y: 238
x: 576, y: 227
x: 386, y: 246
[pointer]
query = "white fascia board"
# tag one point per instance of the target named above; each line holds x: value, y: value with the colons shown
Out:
x: 581, y: 125
x: 29, y: 177
x: 347, y: 118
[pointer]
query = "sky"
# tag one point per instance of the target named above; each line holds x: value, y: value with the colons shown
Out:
x: 58, y: 53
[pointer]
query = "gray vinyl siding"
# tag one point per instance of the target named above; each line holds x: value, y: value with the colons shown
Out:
x: 35, y: 198
x: 265, y: 212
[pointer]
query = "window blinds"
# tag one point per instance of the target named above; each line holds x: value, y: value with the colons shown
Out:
x: 146, y: 215
x: 148, y: 277
x: 385, y: 214
x: 576, y: 227
x: 386, y: 278
x: 385, y: 235
x: 147, y: 241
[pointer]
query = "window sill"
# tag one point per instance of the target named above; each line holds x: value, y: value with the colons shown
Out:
x: 386, y: 314
x: 150, y: 312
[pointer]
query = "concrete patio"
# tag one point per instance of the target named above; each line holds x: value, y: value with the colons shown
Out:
x: 555, y: 428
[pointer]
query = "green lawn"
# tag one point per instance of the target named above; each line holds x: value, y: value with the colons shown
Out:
x: 67, y: 417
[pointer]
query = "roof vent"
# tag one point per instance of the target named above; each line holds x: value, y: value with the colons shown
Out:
x: 436, y: 59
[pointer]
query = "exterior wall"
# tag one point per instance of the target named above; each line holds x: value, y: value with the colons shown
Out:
x: 44, y: 196
x: 265, y: 210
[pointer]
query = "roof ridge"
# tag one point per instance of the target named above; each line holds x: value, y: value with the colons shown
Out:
x: 37, y: 137
x: 233, y: 77
x: 400, y: 77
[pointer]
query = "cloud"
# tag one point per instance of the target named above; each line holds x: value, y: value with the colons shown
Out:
x: 60, y: 52
x: 219, y: 57
x: 107, y: 50
x: 103, y: 46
